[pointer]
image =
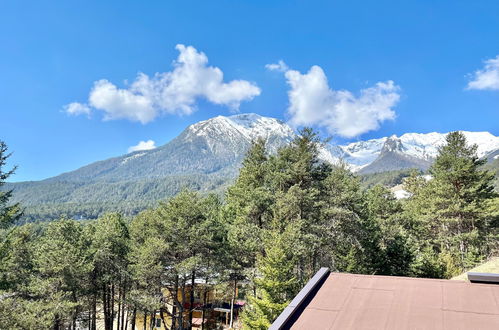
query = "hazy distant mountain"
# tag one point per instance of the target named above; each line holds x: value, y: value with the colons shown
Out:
x: 206, y: 157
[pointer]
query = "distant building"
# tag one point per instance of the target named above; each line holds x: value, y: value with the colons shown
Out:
x: 347, y: 301
x: 211, y: 310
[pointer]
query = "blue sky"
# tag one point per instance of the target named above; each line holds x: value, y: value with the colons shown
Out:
x: 52, y: 53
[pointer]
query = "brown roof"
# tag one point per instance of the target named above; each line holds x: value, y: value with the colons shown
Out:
x: 346, y: 301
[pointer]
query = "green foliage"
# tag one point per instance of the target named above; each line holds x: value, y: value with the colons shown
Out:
x: 45, y: 274
x: 18, y: 314
x: 388, y: 246
x: 286, y: 215
x: 50, y: 200
x: 63, y: 263
x: 9, y: 213
x: 178, y: 240
x: 493, y: 166
x: 449, y: 215
x: 387, y: 178
x: 276, y: 284
x: 17, y: 258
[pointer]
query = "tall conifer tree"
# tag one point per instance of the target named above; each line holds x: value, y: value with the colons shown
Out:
x: 9, y: 213
x: 451, y: 209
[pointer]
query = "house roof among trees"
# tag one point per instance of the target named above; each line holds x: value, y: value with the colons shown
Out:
x: 347, y: 301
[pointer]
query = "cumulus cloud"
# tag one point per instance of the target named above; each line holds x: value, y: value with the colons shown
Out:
x: 488, y: 77
x: 143, y: 145
x: 173, y: 92
x: 313, y: 102
x: 76, y: 108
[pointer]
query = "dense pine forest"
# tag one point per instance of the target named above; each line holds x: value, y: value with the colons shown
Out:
x: 286, y: 215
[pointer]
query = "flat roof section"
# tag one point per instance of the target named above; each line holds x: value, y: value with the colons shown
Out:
x: 348, y: 301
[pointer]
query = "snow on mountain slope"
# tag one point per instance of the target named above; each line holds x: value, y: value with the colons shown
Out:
x: 250, y: 126
x: 426, y: 145
x: 247, y: 127
x: 362, y: 153
x: 357, y: 155
x: 218, y: 145
x: 418, y: 145
x: 255, y: 126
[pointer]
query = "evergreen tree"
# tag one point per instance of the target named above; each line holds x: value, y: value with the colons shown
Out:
x: 275, y: 284
x: 387, y: 248
x: 9, y: 213
x: 247, y: 211
x: 449, y: 213
x: 339, y: 231
x: 250, y: 196
x: 62, y: 265
x: 173, y: 245
x: 298, y: 181
x: 110, y: 249
x: 147, y: 257
x: 18, y: 262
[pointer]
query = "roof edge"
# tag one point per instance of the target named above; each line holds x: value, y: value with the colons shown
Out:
x: 294, y: 305
x: 489, y: 278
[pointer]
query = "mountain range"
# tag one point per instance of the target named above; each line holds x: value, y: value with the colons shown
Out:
x: 206, y: 157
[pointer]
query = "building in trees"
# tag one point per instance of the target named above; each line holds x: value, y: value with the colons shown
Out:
x: 211, y: 308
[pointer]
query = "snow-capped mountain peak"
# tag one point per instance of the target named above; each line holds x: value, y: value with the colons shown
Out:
x: 256, y: 126
x: 249, y: 125
x: 208, y: 154
x: 423, y: 146
x: 393, y: 144
x: 416, y: 149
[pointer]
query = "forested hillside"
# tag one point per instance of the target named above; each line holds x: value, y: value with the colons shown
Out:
x: 206, y: 157
x: 286, y: 215
x: 89, y: 200
x: 494, y: 167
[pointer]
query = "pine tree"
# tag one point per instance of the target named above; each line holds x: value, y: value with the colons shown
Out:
x: 9, y: 213
x: 250, y: 196
x: 298, y: 181
x: 147, y: 264
x: 247, y: 211
x: 110, y: 249
x: 17, y: 259
x: 448, y: 213
x: 62, y: 266
x: 172, y: 246
x: 386, y: 245
x: 339, y: 231
x: 276, y: 284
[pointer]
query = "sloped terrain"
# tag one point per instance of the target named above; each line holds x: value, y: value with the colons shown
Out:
x: 206, y: 157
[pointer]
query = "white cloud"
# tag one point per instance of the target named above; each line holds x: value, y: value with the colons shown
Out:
x: 279, y: 66
x: 143, y: 145
x: 313, y: 102
x: 488, y: 77
x: 76, y: 108
x: 173, y: 92
x: 122, y: 103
